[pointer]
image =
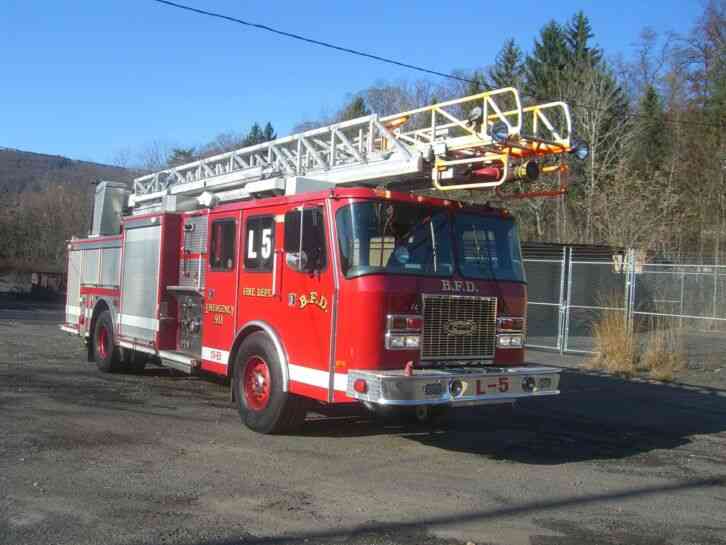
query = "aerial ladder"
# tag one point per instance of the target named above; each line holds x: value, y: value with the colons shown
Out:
x: 480, y: 141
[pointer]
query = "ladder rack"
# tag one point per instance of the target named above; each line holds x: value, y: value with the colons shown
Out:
x: 440, y: 144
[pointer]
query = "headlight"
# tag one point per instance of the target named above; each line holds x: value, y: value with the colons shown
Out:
x: 402, y: 342
x: 510, y: 341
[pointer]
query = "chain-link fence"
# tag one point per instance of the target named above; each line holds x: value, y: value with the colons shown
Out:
x: 686, y: 300
x: 572, y: 288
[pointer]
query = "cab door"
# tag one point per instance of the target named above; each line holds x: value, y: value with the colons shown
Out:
x: 307, y: 289
x: 220, y: 292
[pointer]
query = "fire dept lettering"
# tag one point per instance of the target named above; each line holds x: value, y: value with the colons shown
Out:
x: 257, y: 292
x: 314, y: 299
x: 459, y: 286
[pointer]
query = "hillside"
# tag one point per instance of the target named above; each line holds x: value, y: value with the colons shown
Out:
x: 22, y: 171
x: 44, y: 201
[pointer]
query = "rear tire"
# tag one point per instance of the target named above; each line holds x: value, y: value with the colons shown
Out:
x: 257, y: 382
x: 105, y: 352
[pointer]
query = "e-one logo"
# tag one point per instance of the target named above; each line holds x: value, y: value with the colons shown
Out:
x: 459, y: 286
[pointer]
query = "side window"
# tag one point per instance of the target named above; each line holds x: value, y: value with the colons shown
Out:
x: 221, y: 255
x: 312, y: 241
x: 259, y: 243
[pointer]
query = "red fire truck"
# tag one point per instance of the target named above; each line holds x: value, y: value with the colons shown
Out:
x: 313, y: 267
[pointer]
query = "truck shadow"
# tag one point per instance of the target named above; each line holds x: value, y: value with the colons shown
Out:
x: 596, y: 417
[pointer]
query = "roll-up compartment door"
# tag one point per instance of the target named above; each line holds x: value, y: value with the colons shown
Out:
x: 139, y: 285
x: 73, y: 287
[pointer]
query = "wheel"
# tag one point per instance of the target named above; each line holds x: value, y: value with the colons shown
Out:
x: 257, y: 383
x: 134, y: 361
x: 105, y: 352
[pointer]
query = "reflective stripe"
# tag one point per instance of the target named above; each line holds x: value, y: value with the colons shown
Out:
x: 215, y: 354
x: 316, y: 377
x: 139, y: 321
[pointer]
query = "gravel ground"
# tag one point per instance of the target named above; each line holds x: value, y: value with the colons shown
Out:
x: 87, y: 458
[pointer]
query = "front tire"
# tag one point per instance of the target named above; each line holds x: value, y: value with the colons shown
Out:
x: 105, y: 352
x: 257, y: 383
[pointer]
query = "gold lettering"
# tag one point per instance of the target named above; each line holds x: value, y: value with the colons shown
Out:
x: 257, y: 292
x: 222, y: 309
x: 314, y: 299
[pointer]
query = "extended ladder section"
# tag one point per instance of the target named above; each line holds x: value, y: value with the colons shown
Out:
x: 479, y: 141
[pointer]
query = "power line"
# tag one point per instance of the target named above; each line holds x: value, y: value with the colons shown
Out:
x: 312, y: 40
x: 380, y: 58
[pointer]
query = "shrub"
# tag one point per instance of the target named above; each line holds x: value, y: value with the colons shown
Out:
x: 615, y: 345
x: 664, y: 352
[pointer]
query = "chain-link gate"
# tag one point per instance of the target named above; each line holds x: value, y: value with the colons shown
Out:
x: 597, y: 285
x: 546, y: 295
x: 569, y: 289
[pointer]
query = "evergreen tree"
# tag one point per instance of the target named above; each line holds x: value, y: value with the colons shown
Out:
x: 476, y: 84
x: 652, y: 141
x: 268, y: 133
x: 508, y: 69
x: 254, y: 136
x: 546, y: 67
x: 179, y: 156
x: 354, y: 109
x: 578, y: 33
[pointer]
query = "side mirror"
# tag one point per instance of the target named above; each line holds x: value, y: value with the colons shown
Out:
x: 297, y: 261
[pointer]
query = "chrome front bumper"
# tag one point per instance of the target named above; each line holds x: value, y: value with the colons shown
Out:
x: 470, y: 386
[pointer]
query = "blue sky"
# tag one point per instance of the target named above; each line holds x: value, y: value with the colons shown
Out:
x: 88, y: 79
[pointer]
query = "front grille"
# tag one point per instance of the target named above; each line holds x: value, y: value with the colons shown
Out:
x: 458, y: 327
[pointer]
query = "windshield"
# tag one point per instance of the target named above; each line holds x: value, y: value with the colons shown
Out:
x: 488, y: 248
x: 378, y: 237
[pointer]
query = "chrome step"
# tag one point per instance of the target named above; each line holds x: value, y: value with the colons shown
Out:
x: 179, y: 361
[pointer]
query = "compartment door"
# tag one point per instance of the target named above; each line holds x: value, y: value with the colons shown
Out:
x: 220, y: 291
x: 307, y: 289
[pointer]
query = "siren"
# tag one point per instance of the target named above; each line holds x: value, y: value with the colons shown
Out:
x: 500, y: 132
x: 580, y: 150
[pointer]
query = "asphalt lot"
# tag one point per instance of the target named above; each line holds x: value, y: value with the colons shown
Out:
x: 87, y: 458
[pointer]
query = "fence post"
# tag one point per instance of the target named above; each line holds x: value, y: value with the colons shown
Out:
x: 715, y: 286
x: 562, y: 310
x: 568, y: 299
x: 629, y: 264
x: 683, y: 291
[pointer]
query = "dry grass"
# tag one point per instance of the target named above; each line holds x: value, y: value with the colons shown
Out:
x: 615, y: 345
x: 664, y: 353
